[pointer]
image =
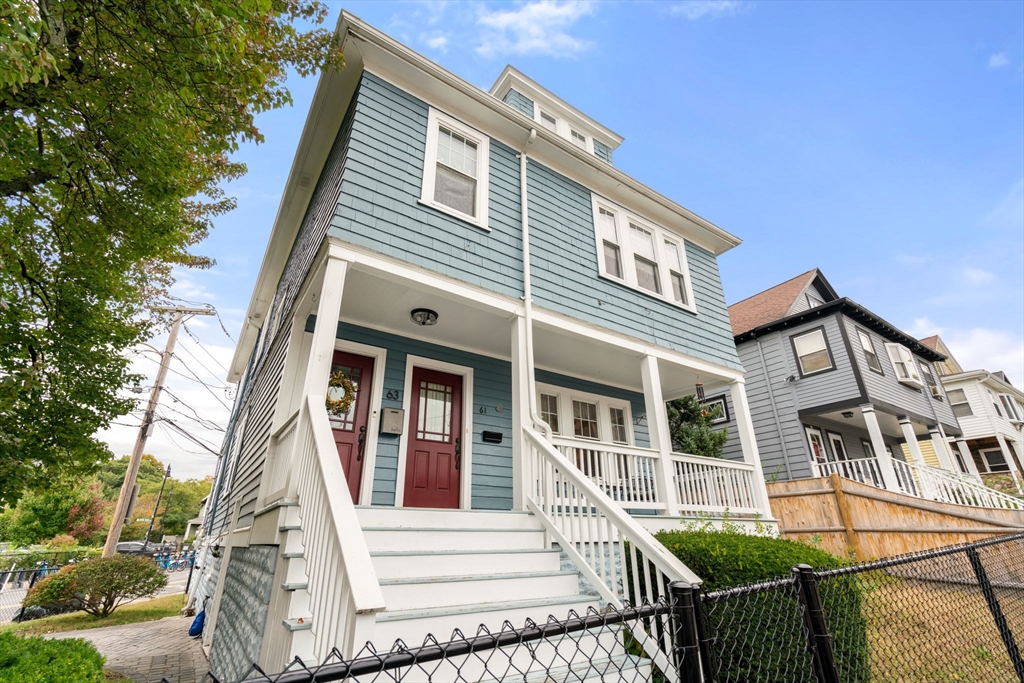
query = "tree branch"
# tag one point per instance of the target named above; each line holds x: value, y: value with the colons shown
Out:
x: 26, y: 183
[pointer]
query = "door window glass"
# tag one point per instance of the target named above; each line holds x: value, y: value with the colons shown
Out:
x: 435, y: 412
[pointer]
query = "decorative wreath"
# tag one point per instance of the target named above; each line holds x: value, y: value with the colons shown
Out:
x: 340, y: 406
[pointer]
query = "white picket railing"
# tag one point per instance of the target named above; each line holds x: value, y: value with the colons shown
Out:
x: 343, y: 589
x: 276, y: 478
x: 864, y: 470
x: 937, y: 484
x: 625, y: 474
x: 714, y: 485
x: 618, y: 556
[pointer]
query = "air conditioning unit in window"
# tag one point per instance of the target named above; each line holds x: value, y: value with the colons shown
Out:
x: 937, y: 392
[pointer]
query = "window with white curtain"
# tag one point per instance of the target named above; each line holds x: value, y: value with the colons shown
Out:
x: 642, y: 255
x: 455, y: 170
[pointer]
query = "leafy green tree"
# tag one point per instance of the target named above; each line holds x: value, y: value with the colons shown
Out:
x: 75, y: 510
x: 183, y: 505
x: 116, y: 125
x: 690, y: 424
x: 111, y: 475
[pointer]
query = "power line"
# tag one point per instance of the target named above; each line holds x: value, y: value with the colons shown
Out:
x: 198, y: 379
x: 205, y: 424
x: 220, y: 320
x: 196, y: 340
x: 170, y: 437
x: 199, y: 418
x: 188, y: 435
x: 212, y: 373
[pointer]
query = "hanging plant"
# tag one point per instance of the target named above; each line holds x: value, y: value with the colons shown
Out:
x: 339, y: 406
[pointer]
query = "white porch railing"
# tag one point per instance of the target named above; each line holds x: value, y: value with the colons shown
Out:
x: 864, y: 470
x: 714, y: 485
x: 624, y: 474
x: 940, y: 485
x: 343, y: 589
x: 618, y: 556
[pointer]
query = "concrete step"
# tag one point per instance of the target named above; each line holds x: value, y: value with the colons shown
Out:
x: 439, y: 539
x: 450, y: 591
x: 394, y: 564
x: 378, y: 516
x: 412, y: 626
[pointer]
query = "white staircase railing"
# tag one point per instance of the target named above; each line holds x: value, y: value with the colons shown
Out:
x: 864, y: 470
x: 344, y: 593
x: 943, y: 486
x: 625, y: 474
x: 620, y: 558
x: 714, y: 485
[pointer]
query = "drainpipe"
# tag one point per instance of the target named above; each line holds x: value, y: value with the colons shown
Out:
x: 531, y: 385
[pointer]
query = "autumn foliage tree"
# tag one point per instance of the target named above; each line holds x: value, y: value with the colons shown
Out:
x: 117, y: 120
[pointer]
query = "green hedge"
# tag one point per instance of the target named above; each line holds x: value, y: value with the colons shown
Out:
x: 758, y: 637
x: 36, y: 660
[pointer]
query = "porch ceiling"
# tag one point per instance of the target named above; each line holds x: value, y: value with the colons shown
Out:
x: 380, y: 303
x: 889, y: 425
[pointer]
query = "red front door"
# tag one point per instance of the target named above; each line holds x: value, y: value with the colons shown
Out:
x: 350, y: 429
x: 434, y: 459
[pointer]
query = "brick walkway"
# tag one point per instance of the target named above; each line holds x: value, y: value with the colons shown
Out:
x: 149, y: 651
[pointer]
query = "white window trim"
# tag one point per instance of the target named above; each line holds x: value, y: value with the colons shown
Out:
x: 813, y: 301
x: 966, y: 402
x: 563, y: 128
x: 435, y: 119
x: 833, y: 437
x: 1015, y: 416
x: 808, y: 431
x: 984, y: 460
x: 622, y: 220
x: 894, y: 358
x: 565, y: 398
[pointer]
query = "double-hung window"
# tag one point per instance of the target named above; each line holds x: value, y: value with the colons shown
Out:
x: 869, y: 351
x: 549, y: 410
x: 578, y: 139
x: 904, y: 365
x: 455, y: 169
x: 959, y: 403
x: 641, y: 255
x: 1010, y: 408
x: 812, y: 354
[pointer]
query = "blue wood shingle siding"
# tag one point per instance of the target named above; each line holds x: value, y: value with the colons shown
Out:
x: 602, y: 151
x: 378, y: 209
x: 519, y: 101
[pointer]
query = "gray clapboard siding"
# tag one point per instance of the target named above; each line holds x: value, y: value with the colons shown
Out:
x: 853, y: 438
x: 565, y: 277
x: 823, y: 388
x: 602, y: 151
x: 519, y: 101
x: 885, y: 387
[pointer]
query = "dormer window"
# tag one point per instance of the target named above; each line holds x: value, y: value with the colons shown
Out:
x: 549, y: 121
x: 578, y: 139
x: 636, y: 253
x: 904, y: 365
x: 813, y: 301
x: 455, y: 169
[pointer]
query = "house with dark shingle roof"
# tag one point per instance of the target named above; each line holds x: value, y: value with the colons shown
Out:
x: 833, y: 387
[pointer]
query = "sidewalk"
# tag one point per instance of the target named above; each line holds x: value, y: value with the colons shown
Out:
x: 149, y: 651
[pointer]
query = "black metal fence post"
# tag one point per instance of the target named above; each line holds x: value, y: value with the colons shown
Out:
x: 708, y: 664
x: 684, y: 632
x: 31, y: 582
x: 997, y: 612
x: 819, y: 642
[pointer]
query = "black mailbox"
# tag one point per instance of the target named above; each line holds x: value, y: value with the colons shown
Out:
x: 492, y: 437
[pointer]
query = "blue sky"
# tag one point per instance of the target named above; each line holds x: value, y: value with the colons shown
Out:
x: 880, y: 142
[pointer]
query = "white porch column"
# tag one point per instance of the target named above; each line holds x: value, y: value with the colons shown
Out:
x: 328, y: 310
x: 941, y: 449
x: 965, y: 453
x: 520, y: 412
x: 661, y: 438
x: 911, y: 438
x: 1010, y: 461
x: 885, y: 467
x: 748, y: 441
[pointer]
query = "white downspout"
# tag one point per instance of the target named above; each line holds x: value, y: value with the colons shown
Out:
x: 531, y: 382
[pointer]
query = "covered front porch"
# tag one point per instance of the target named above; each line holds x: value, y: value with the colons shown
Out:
x: 884, y: 448
x: 596, y: 397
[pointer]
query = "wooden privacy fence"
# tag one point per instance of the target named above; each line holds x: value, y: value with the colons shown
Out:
x: 856, y: 520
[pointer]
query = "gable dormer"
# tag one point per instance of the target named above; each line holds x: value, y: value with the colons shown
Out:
x: 554, y: 114
x: 816, y: 292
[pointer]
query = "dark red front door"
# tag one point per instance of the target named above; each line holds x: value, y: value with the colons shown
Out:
x: 350, y: 429
x: 434, y: 460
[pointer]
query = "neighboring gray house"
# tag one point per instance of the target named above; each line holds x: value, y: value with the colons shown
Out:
x: 832, y: 387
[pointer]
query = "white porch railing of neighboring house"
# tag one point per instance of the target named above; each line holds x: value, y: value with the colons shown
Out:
x: 620, y: 558
x: 714, y: 485
x: 343, y: 590
x: 931, y: 483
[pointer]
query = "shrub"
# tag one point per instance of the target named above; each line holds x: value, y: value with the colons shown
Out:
x: 35, y: 660
x: 746, y: 628
x: 101, y: 585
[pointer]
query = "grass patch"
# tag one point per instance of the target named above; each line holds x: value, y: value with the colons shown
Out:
x: 149, y: 610
x: 111, y: 676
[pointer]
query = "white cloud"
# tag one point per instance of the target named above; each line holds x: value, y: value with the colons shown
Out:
x: 438, y: 42
x: 998, y: 61
x: 977, y: 276
x: 539, y: 27
x: 979, y: 348
x: 707, y: 9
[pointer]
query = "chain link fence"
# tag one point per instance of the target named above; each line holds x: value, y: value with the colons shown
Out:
x: 953, y: 614
x: 14, y: 586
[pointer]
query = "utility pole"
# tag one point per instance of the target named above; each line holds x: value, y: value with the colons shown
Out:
x: 152, y: 520
x: 117, y: 523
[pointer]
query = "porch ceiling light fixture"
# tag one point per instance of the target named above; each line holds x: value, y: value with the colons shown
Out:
x: 847, y: 414
x: 423, y: 316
